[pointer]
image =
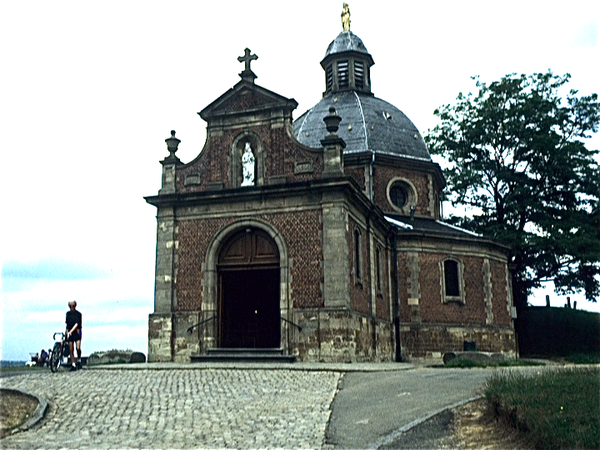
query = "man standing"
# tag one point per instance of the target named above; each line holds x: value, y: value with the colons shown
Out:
x: 74, y: 334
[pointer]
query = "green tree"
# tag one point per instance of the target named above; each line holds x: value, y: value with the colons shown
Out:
x: 517, y: 160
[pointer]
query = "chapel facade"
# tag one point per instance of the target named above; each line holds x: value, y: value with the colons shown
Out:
x: 320, y: 237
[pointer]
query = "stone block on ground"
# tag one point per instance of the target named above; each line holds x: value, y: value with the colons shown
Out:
x: 116, y: 357
x: 479, y: 357
x: 137, y: 357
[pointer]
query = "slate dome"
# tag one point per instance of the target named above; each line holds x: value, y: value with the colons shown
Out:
x: 344, y: 42
x: 368, y: 123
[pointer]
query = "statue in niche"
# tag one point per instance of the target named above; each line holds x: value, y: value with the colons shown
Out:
x: 346, y: 17
x: 248, y: 166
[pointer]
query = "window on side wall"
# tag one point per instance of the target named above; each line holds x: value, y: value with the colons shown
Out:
x: 357, y: 256
x: 452, y: 276
x: 378, y: 269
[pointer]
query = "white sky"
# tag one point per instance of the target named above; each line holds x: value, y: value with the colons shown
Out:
x: 90, y: 90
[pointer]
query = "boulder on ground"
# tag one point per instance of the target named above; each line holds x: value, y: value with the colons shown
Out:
x: 116, y: 357
x: 479, y: 357
x: 137, y: 357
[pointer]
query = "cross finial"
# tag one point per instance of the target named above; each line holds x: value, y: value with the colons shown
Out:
x: 247, y: 59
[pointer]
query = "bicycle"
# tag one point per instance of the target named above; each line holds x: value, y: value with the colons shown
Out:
x: 59, y: 351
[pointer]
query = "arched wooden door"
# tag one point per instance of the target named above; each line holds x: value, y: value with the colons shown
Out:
x: 249, y: 291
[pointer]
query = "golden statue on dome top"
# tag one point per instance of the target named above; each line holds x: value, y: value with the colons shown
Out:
x: 346, y: 17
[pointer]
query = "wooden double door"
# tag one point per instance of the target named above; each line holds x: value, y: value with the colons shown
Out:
x: 249, y: 291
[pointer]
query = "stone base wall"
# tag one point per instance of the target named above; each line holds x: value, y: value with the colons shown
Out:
x: 433, y: 340
x: 185, y: 340
x: 331, y: 335
x: 160, y: 338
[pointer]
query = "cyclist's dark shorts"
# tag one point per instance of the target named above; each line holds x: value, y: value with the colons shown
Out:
x: 76, y: 336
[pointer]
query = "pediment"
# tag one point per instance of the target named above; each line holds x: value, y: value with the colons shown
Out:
x: 247, y: 97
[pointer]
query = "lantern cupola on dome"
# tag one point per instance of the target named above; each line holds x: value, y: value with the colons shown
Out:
x: 369, y: 124
x: 347, y: 62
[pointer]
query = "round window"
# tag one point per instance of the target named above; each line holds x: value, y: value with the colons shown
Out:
x: 398, y: 195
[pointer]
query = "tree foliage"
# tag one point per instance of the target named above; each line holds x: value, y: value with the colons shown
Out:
x: 518, y: 161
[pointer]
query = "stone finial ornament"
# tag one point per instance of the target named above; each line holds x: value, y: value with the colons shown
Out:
x: 333, y: 146
x: 332, y: 121
x: 172, y: 144
x: 346, y: 17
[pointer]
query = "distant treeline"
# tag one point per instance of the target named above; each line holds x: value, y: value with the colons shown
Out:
x: 557, y: 332
x: 12, y: 363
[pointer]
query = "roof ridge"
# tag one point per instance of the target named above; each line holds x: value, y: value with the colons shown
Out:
x: 362, y: 116
x: 306, y: 114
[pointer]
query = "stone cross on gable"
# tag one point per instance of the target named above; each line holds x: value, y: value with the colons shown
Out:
x: 247, y: 59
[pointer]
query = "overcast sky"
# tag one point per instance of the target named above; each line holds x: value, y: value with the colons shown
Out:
x: 90, y: 91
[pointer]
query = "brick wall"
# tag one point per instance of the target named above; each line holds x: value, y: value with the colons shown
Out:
x: 358, y: 174
x: 194, y: 237
x: 280, y: 155
x: 428, y: 289
x: 303, y: 233
x: 501, y: 300
x: 300, y: 230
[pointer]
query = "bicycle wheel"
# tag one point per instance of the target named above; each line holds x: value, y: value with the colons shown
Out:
x: 56, y: 357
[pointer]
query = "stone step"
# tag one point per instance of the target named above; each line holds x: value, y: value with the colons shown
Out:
x: 244, y: 355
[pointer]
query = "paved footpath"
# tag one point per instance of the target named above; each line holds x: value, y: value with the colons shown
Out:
x: 370, y: 408
x: 178, y: 408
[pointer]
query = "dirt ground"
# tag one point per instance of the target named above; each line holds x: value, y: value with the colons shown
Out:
x: 470, y: 426
x: 15, y: 409
x: 474, y: 427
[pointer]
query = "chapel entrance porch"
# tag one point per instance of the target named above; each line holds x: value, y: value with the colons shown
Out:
x: 249, y: 286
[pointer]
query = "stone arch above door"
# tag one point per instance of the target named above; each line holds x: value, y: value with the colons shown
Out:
x: 249, y: 246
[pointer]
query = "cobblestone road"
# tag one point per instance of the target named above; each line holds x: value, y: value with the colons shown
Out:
x: 211, y: 408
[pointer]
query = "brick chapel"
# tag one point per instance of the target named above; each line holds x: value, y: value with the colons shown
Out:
x: 319, y: 238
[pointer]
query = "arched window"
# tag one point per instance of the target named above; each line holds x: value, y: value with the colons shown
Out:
x: 378, y: 269
x: 452, y: 276
x: 357, y: 256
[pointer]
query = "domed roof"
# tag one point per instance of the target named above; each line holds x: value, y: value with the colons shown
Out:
x: 368, y: 124
x: 344, y: 42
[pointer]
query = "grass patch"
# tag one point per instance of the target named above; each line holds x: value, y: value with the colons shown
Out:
x: 470, y: 363
x: 557, y: 409
x: 465, y: 363
x: 20, y: 368
x: 583, y: 358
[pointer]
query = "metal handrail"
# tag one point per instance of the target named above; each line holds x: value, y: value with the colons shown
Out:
x: 190, y: 329
x: 292, y: 323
